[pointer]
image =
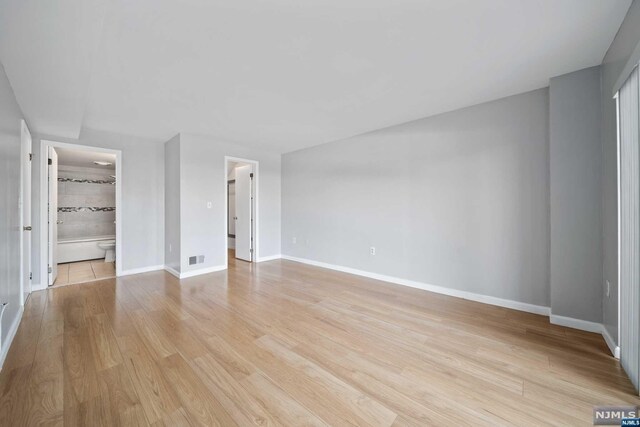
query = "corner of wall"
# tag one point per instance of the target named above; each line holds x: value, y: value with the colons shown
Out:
x: 172, y: 206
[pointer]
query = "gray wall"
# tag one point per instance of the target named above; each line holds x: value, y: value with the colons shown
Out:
x: 142, y: 196
x: 203, y: 180
x: 575, y: 156
x: 614, y: 61
x: 10, y: 116
x: 172, y: 203
x: 459, y: 200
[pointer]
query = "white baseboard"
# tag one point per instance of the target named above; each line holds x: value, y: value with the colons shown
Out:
x: 615, y: 350
x: 141, y: 270
x: 10, y: 335
x: 583, y: 325
x: 269, y: 258
x: 202, y: 271
x: 193, y: 273
x: 172, y: 271
x: 501, y: 302
x: 570, y: 322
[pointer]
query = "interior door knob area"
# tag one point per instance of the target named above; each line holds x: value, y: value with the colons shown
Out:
x: 27, y: 228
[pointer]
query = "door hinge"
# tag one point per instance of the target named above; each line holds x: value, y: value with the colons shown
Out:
x: 251, y: 175
x: 30, y: 276
x: 50, y: 270
x: 50, y: 161
x: 30, y: 156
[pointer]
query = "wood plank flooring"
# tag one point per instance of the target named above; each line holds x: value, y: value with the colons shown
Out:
x: 84, y: 271
x: 282, y: 343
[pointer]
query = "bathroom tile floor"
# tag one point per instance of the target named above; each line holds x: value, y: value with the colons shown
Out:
x: 84, y: 271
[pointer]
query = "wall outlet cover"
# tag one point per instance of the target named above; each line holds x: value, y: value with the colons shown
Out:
x: 192, y: 260
x: 200, y: 259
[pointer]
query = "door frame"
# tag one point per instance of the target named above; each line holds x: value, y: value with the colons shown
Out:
x: 24, y: 130
x: 256, y: 207
x: 44, y: 200
x: 52, y: 226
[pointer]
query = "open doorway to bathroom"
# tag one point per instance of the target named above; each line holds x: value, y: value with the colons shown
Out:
x: 241, y: 187
x: 81, y: 210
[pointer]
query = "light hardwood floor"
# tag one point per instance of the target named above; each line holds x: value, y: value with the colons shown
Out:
x: 84, y: 271
x: 281, y: 343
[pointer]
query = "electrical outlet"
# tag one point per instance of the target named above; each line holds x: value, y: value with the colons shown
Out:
x: 372, y: 250
x: 608, y: 289
x: 294, y: 240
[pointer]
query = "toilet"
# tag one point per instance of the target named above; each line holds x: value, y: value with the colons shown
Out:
x: 109, y: 247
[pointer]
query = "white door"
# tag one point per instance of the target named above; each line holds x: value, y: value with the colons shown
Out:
x: 53, y: 215
x: 25, y: 152
x: 244, y: 220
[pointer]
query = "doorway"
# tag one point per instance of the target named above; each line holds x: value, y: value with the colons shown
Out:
x: 80, y: 209
x: 241, y: 177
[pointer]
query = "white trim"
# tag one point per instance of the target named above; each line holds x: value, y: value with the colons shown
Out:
x: 142, y: 270
x: 256, y: 200
x: 44, y: 194
x: 570, y: 322
x: 501, y: 302
x: 171, y: 271
x: 10, y: 335
x: 194, y: 272
x: 613, y: 348
x: 269, y: 258
x: 203, y: 271
x: 585, y: 325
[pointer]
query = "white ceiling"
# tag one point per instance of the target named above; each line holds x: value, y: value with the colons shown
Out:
x: 84, y: 158
x: 287, y: 74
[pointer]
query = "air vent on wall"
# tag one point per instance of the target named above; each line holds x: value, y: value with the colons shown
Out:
x: 198, y: 259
